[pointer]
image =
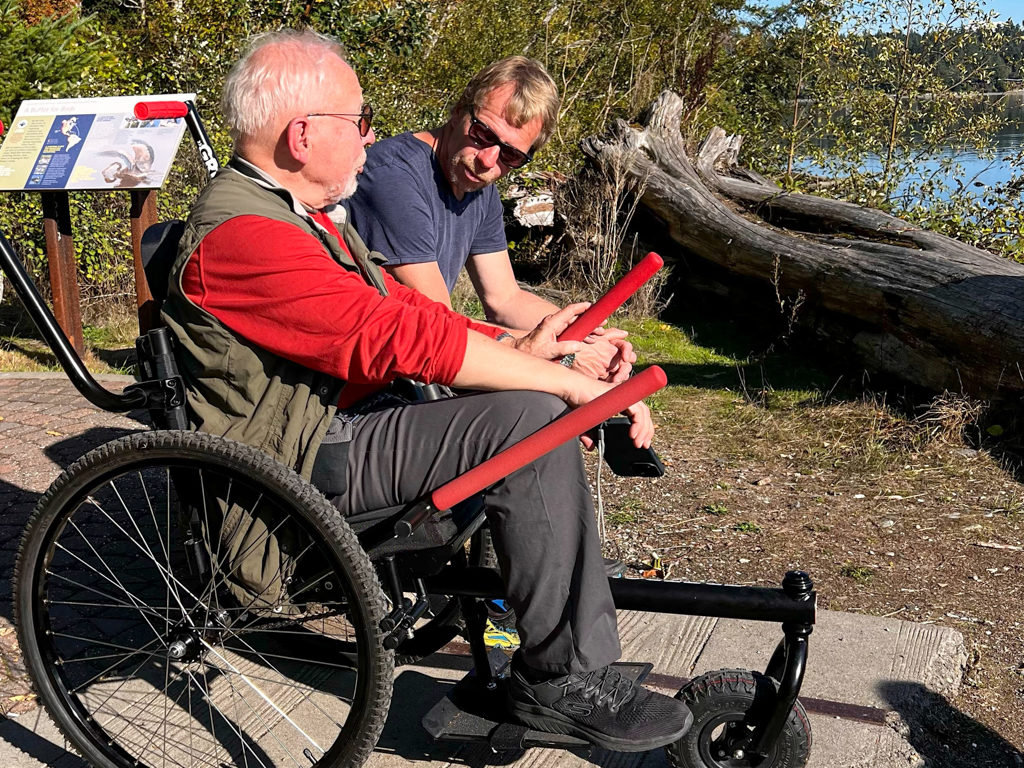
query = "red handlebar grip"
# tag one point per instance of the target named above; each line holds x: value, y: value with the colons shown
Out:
x: 603, y: 308
x: 160, y: 110
x: 549, y: 437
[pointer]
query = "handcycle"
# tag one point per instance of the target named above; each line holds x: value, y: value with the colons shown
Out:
x: 153, y: 637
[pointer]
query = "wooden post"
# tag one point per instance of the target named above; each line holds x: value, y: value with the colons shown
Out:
x: 60, y: 253
x: 143, y: 214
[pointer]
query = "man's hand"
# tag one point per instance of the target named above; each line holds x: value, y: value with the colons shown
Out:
x: 641, y: 428
x: 543, y: 342
x: 495, y: 366
x: 606, y: 355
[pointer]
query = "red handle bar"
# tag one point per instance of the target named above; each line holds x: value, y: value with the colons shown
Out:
x: 545, y: 439
x: 160, y: 110
x: 603, y: 308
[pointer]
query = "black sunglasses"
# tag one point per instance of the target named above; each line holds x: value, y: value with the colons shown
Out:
x: 483, y: 136
x: 365, y: 118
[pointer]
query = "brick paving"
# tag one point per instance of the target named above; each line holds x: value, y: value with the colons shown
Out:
x: 45, y: 425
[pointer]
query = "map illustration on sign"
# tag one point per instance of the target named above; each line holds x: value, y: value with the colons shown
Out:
x: 89, y: 144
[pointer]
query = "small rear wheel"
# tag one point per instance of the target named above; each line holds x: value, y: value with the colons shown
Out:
x: 722, y: 703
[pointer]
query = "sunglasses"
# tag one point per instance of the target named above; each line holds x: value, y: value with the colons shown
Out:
x: 483, y: 136
x: 365, y: 118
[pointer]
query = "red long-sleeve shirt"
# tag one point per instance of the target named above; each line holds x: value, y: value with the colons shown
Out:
x: 278, y: 287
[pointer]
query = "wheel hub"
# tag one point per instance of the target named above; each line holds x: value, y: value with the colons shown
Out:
x: 188, y: 639
x: 185, y: 646
x: 725, y: 753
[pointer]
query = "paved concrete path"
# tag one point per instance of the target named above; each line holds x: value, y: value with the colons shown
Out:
x: 885, y: 670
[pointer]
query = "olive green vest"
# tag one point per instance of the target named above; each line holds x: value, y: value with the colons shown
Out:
x: 235, y: 389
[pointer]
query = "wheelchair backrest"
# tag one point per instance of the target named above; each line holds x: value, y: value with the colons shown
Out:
x: 159, y: 249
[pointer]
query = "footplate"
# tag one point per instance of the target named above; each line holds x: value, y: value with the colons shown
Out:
x: 473, y: 712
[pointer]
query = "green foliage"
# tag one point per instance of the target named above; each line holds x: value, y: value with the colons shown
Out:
x: 44, y: 60
x: 862, y: 574
x: 165, y: 46
x: 747, y: 526
x: 994, y: 221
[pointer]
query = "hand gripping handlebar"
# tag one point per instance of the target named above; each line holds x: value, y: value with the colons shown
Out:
x: 567, y: 427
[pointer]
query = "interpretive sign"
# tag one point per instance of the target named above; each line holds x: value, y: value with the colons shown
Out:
x: 89, y: 144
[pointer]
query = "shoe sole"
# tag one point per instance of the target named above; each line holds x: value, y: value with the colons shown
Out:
x: 547, y: 720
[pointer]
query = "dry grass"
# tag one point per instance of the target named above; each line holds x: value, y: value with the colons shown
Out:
x: 109, y: 340
x: 598, y: 206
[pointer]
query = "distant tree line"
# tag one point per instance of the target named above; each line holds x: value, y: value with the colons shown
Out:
x: 999, y: 52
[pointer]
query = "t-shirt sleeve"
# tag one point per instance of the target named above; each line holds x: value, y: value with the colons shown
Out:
x: 276, y: 286
x: 392, y: 216
x: 490, y: 235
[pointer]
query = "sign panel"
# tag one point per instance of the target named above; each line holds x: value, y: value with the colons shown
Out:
x: 89, y: 144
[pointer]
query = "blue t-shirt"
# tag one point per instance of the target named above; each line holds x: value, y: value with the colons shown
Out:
x: 404, y: 208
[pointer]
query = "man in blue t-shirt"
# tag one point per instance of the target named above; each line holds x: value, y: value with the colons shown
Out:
x: 427, y: 201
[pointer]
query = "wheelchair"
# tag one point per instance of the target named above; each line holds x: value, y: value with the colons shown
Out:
x: 181, y: 599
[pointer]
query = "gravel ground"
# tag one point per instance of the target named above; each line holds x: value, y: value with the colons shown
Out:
x: 887, y: 523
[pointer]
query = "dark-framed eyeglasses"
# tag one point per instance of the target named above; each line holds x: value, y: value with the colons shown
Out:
x: 364, y: 118
x: 483, y: 136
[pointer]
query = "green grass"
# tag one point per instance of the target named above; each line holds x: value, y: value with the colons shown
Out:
x: 777, y: 384
x: 657, y: 342
x: 861, y: 574
x: 109, y: 345
x: 718, y: 510
x: 747, y: 526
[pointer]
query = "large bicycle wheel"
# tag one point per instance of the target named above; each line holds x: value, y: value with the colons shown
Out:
x: 143, y: 655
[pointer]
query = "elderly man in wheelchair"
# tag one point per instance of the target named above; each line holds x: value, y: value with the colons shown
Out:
x: 289, y: 333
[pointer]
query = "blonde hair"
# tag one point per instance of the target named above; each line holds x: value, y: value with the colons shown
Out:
x: 535, y: 93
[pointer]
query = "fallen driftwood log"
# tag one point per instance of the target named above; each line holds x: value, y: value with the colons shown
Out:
x: 906, y: 302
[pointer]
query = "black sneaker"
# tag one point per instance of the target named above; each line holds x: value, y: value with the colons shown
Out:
x: 602, y: 706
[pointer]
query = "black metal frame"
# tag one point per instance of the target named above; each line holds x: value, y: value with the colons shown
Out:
x: 419, y: 542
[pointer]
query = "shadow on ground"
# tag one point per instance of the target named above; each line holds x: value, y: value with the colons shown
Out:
x: 16, y: 503
x: 21, y: 733
x: 16, y: 506
x: 943, y: 735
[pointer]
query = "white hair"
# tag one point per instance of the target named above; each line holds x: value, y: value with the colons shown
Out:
x: 261, y: 87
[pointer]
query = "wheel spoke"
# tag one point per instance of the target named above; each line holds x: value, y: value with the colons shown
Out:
x: 151, y: 663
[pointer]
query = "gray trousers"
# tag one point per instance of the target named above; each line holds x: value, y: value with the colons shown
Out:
x: 541, y: 516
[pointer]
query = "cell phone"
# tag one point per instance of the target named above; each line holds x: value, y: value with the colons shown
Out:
x: 624, y: 458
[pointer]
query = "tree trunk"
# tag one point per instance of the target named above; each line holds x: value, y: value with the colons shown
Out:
x: 909, y: 303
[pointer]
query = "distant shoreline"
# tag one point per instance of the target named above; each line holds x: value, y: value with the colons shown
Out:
x: 1015, y: 94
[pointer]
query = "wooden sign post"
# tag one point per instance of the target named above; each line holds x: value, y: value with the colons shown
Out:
x: 60, y: 253
x: 143, y: 215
